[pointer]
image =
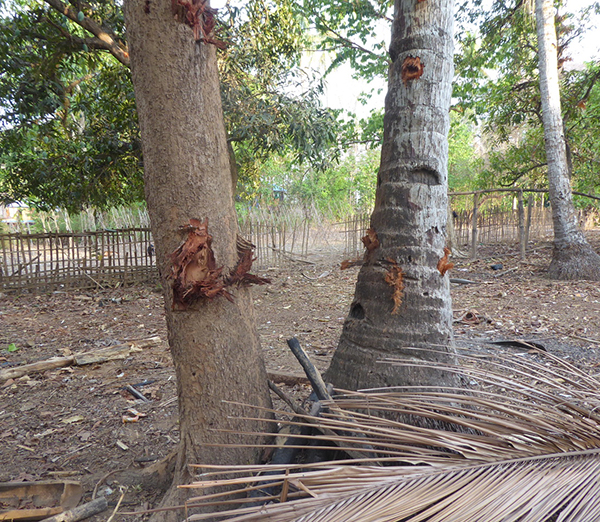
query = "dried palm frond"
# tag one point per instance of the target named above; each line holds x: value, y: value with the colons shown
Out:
x: 524, y: 447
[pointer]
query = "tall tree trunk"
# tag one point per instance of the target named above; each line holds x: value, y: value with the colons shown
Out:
x: 214, y: 343
x: 572, y: 257
x: 402, y: 300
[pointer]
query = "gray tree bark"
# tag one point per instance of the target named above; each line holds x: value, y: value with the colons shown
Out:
x: 214, y: 343
x: 573, y: 257
x: 408, y: 225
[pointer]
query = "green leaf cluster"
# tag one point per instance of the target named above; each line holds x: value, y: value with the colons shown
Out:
x: 497, y: 83
x: 69, y: 135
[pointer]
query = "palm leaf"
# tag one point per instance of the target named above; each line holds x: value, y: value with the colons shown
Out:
x: 521, y: 444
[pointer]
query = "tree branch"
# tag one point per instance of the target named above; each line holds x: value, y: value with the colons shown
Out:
x: 105, y: 38
x: 346, y: 41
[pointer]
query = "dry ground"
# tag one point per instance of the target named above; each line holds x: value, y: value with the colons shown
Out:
x: 68, y: 423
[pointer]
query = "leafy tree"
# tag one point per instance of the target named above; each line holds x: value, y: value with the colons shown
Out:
x: 213, y: 339
x: 573, y: 257
x: 70, y: 135
x: 497, y: 80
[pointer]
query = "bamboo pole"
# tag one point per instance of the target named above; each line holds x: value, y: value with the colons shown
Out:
x: 474, y: 226
x: 521, y: 212
x: 528, y: 222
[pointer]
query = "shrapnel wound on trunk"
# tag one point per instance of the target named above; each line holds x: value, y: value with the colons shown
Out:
x: 395, y: 278
x: 444, y: 264
x: 195, y: 273
x: 412, y: 69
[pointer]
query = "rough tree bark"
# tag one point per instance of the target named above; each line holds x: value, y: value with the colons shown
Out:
x: 573, y: 257
x: 402, y: 300
x: 214, y: 343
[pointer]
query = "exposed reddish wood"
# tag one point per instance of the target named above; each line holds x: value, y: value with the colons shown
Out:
x: 443, y: 264
x: 395, y: 278
x: 412, y: 69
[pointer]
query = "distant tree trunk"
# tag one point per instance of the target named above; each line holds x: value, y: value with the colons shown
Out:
x: 408, y: 226
x: 214, y: 343
x: 573, y: 257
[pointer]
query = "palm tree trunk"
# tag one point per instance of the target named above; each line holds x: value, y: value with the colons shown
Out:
x: 402, y: 299
x: 573, y: 257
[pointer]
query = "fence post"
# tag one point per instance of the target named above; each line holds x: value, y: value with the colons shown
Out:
x: 474, y: 226
x: 521, y: 210
x: 528, y: 223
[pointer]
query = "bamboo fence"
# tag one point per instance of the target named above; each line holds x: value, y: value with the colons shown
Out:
x: 109, y: 258
x: 83, y: 260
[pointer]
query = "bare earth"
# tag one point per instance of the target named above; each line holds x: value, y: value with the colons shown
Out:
x: 68, y: 423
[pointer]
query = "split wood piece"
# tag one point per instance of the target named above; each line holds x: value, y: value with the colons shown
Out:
x: 111, y: 353
x: 312, y: 373
x: 316, y: 381
x: 81, y: 512
x: 460, y: 281
x: 288, y: 379
x: 44, y: 498
x: 310, y: 417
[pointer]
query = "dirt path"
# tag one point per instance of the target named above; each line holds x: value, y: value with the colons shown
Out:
x: 68, y: 423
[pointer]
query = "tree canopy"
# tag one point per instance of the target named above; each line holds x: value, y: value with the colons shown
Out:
x: 497, y: 83
x: 70, y: 136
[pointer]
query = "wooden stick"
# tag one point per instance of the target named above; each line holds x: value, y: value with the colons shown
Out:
x: 81, y: 512
x: 120, y: 351
x: 459, y: 281
x: 312, y: 373
x: 287, y: 378
x: 135, y: 393
x: 40, y: 366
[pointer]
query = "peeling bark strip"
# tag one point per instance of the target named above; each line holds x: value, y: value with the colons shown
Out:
x: 412, y: 69
x: 443, y: 264
x: 371, y: 241
x: 195, y: 274
x: 200, y: 17
x: 395, y: 278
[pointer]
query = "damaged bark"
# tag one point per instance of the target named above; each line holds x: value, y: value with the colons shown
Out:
x: 394, y: 278
x: 409, y: 217
x: 194, y: 270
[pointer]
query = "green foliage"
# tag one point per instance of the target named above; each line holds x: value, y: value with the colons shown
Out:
x: 497, y: 80
x: 338, y: 191
x: 268, y: 104
x: 352, y: 31
x: 464, y: 163
x: 70, y: 136
x: 12, y: 347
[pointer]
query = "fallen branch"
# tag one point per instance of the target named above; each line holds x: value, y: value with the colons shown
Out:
x: 311, y: 417
x: 81, y: 512
x: 500, y: 274
x: 135, y: 393
x: 288, y: 379
x: 120, y: 351
x: 318, y: 385
x: 587, y: 339
x: 312, y: 373
x: 459, y: 281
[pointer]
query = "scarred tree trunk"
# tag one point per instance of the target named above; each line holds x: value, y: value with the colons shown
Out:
x: 214, y: 343
x: 573, y: 257
x: 402, y: 299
